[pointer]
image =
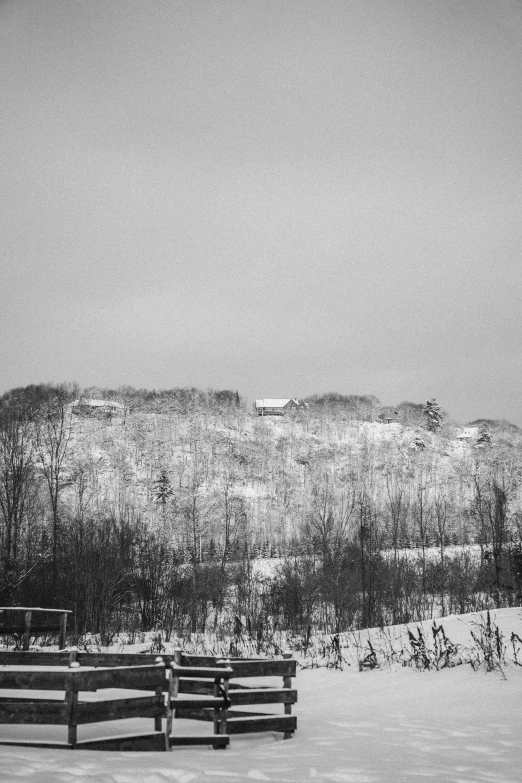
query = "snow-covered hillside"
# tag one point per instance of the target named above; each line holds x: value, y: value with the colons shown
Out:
x: 272, y: 466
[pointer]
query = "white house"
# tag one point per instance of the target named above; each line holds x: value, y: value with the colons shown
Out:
x: 278, y: 407
x: 468, y: 433
x: 97, y: 406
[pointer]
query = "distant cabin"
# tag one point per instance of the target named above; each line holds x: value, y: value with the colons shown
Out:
x: 278, y: 407
x: 389, y: 416
x: 468, y: 433
x: 101, y: 407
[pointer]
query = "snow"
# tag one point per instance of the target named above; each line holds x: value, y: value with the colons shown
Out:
x: 392, y: 724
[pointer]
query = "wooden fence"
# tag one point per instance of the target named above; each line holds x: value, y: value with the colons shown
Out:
x: 197, y: 687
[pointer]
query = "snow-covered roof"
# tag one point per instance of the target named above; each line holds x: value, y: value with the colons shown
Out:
x: 467, y: 433
x: 274, y: 403
x: 97, y: 403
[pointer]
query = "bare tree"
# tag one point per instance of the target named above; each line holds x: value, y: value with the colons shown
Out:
x: 192, y: 508
x: 493, y: 485
x: 329, y: 529
x: 53, y: 421
x: 397, y: 501
x: 422, y: 513
x: 442, y: 510
x: 16, y: 480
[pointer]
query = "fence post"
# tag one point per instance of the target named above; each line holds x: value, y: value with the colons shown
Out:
x: 221, y: 689
x: 71, y: 698
x: 172, y: 695
x: 63, y: 630
x: 172, y: 692
x: 160, y: 701
x: 177, y: 661
x: 287, y: 683
x: 27, y: 633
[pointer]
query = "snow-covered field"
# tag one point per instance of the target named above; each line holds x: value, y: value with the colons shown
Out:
x: 390, y: 724
x: 267, y: 566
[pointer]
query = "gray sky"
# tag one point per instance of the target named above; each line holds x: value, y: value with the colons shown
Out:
x: 283, y: 197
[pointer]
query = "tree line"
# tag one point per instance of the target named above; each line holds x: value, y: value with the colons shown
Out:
x: 163, y: 520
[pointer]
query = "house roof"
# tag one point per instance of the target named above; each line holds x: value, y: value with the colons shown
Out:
x: 274, y: 403
x: 98, y: 403
x: 467, y: 433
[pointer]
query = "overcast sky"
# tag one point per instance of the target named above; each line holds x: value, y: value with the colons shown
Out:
x: 280, y: 197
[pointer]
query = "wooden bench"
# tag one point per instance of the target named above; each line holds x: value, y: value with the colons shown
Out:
x: 27, y: 621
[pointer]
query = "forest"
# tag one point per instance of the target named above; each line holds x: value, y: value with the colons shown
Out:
x: 182, y: 512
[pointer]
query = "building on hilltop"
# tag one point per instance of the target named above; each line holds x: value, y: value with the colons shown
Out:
x: 101, y: 407
x: 468, y: 433
x: 278, y: 407
x: 389, y: 416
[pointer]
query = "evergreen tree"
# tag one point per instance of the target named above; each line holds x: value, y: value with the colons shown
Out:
x: 163, y: 491
x: 433, y: 415
x: 484, y: 435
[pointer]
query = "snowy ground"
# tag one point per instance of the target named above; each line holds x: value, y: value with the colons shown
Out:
x: 393, y: 724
